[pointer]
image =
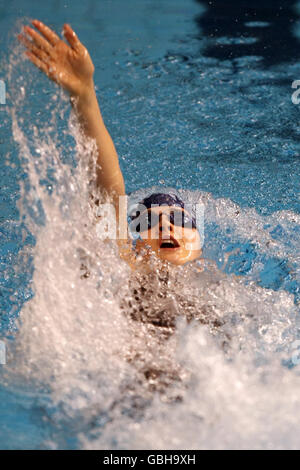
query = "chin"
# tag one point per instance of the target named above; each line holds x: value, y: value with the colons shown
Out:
x: 179, y: 258
x: 176, y: 256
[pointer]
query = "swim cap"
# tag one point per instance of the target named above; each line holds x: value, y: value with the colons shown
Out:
x: 163, y: 199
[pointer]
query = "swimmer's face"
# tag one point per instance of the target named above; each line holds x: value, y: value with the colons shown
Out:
x: 170, y: 241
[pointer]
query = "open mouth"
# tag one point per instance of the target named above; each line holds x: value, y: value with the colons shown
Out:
x: 170, y: 244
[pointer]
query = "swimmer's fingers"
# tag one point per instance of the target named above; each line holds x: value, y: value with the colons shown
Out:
x: 38, y: 63
x: 38, y: 39
x: 34, y: 49
x: 48, y: 34
x: 40, y: 59
x: 72, y: 38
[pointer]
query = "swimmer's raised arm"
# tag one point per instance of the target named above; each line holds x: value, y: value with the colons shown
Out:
x: 70, y: 66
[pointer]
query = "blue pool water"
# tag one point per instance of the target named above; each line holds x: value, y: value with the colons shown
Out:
x: 197, y: 97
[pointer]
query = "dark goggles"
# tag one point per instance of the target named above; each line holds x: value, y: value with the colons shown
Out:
x: 149, y: 219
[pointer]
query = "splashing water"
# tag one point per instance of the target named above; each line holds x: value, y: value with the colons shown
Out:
x: 199, y: 356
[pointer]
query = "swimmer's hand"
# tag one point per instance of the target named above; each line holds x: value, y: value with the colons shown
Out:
x: 69, y: 65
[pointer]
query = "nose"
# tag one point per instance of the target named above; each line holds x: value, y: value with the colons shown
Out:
x: 165, y: 226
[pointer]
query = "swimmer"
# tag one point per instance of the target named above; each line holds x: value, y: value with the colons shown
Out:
x: 161, y: 222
